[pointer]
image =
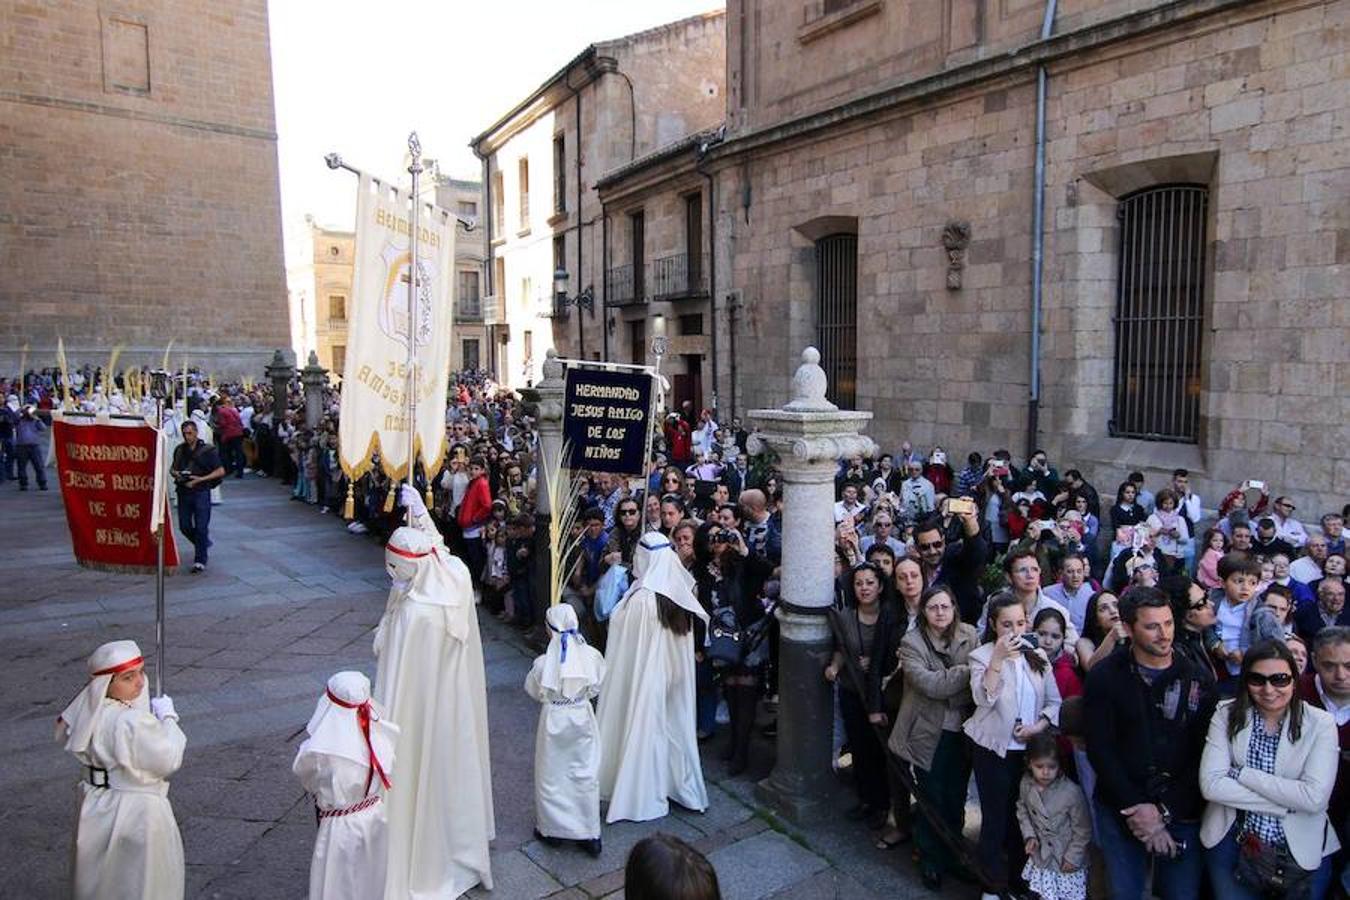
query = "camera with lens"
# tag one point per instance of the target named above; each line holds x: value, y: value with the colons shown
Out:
x: 724, y: 536
x: 1028, y: 641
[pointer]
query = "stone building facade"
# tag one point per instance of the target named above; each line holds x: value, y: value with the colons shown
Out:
x: 139, y: 197
x: 875, y: 194
x: 624, y: 99
x: 464, y: 199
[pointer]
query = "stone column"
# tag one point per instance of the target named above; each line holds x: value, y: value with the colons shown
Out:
x: 280, y: 371
x: 547, y: 397
x: 314, y: 377
x: 810, y: 435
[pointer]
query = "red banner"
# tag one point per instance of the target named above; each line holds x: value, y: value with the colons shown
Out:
x: 107, y: 474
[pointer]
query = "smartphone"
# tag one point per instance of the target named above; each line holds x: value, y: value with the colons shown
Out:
x: 954, y: 506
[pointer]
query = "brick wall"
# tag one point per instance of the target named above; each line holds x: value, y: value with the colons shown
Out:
x: 139, y: 199
x: 1258, y: 91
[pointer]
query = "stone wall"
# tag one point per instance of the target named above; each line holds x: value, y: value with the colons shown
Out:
x: 677, y: 73
x: 139, y: 189
x: 1250, y: 99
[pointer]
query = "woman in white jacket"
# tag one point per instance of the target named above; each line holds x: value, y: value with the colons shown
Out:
x: 1267, y: 770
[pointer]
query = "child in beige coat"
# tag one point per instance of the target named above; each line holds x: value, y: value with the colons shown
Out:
x: 1055, y: 824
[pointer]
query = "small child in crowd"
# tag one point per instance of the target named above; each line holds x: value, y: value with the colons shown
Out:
x: 1053, y: 816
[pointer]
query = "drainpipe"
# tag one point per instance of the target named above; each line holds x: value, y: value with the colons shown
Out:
x: 581, y: 313
x: 604, y: 280
x: 1038, y: 241
x: 712, y: 258
x: 488, y: 275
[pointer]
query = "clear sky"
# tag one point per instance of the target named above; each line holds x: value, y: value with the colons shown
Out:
x: 355, y: 76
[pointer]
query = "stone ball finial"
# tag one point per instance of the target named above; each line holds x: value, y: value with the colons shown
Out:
x: 809, y: 384
x: 553, y: 367
x: 314, y: 358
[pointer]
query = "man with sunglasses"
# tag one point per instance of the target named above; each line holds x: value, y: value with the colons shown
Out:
x: 957, y: 564
x: 1147, y: 711
x: 1328, y: 687
x: 1287, y: 528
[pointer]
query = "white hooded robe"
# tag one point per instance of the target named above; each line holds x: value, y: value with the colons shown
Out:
x: 127, y: 844
x: 430, y: 680
x: 648, y: 746
x: 566, y: 743
x: 351, y: 847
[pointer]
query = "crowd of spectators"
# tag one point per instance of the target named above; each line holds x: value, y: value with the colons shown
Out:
x: 1146, y: 689
x: 1164, y: 698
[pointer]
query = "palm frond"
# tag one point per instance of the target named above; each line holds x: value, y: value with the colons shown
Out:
x: 564, y: 492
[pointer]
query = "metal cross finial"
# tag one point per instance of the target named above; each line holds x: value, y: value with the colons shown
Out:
x: 414, y: 145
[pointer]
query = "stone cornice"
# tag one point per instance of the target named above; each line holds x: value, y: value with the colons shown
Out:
x: 121, y: 112
x: 1023, y: 60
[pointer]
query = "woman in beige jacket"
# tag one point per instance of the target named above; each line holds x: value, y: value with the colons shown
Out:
x: 1267, y: 770
x: 1015, y: 698
x: 934, y: 661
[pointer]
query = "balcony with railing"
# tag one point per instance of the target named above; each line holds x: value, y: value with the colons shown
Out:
x: 624, y: 286
x: 679, y: 277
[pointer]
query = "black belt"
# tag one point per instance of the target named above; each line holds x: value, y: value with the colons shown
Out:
x: 93, y: 773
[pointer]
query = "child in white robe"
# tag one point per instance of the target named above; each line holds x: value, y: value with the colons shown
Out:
x: 345, y: 764
x: 567, y: 742
x: 127, y: 844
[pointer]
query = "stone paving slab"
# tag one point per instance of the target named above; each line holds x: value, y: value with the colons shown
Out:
x: 290, y: 598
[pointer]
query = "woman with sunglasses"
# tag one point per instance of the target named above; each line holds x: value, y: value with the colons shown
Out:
x: 624, y: 536
x: 1267, y: 770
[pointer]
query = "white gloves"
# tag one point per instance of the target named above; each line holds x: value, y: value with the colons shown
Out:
x: 162, y: 707
x: 408, y: 496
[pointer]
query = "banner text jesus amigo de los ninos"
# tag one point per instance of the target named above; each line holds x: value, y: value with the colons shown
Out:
x: 107, y: 475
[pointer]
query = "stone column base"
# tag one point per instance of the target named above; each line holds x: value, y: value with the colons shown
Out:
x: 802, y: 780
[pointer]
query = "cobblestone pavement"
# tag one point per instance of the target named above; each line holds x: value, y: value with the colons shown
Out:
x: 289, y: 599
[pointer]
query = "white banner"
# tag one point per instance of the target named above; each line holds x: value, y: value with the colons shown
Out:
x: 374, y: 416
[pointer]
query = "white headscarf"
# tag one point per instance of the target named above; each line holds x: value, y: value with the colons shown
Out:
x: 336, y: 727
x: 567, y: 670
x: 423, y: 570
x: 79, y: 719
x: 657, y: 568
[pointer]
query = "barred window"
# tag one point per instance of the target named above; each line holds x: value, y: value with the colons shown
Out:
x: 1160, y: 313
x: 837, y: 315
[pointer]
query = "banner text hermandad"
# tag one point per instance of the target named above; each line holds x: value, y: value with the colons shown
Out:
x: 375, y: 381
x: 107, y: 474
x: 605, y: 420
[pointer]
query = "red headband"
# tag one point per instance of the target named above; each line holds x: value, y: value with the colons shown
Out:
x: 407, y: 554
x: 363, y: 719
x: 120, y: 667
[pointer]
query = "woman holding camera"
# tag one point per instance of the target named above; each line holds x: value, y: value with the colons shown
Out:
x: 722, y: 572
x: 1015, y: 698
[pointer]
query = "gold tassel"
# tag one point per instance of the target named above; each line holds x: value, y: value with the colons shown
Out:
x: 430, y: 500
x: 349, y: 508
x: 389, y: 499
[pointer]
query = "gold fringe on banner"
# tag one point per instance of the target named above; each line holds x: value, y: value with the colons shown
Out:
x: 389, y: 498
x: 349, y: 508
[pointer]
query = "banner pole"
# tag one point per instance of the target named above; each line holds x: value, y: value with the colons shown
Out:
x: 159, y: 558
x: 415, y: 169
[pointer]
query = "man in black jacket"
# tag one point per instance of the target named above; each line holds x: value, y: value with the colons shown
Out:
x: 1147, y: 711
x: 955, y: 563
